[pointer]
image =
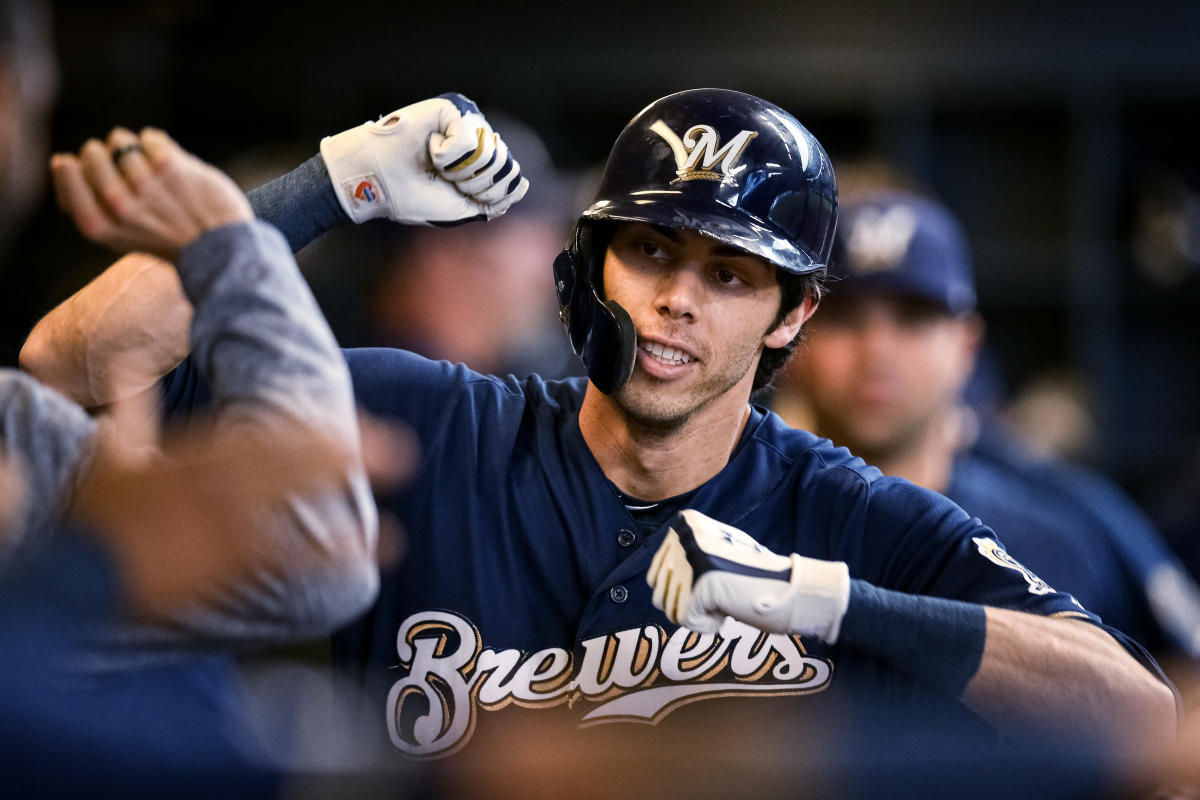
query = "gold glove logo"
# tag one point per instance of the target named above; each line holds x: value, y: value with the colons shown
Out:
x: 700, y: 151
x: 634, y: 675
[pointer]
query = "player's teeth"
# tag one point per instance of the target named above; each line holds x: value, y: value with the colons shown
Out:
x: 669, y: 354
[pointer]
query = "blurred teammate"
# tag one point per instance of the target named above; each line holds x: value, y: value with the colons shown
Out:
x: 130, y: 568
x: 145, y: 535
x: 562, y: 532
x: 883, y: 373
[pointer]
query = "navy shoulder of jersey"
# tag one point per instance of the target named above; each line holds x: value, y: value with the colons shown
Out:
x: 1090, y: 494
x: 1048, y: 537
x: 440, y: 400
x: 1140, y: 585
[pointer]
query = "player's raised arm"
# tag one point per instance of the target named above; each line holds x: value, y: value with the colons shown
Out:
x: 280, y: 374
x: 272, y: 362
x: 436, y: 162
x: 1023, y: 673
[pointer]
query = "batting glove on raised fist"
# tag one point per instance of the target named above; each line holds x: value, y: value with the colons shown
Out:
x: 706, y: 570
x: 436, y: 162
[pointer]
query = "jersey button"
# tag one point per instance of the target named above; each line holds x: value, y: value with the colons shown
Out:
x: 619, y: 594
x: 626, y: 537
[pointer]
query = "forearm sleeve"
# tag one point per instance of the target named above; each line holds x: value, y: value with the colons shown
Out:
x: 301, y: 204
x: 938, y: 641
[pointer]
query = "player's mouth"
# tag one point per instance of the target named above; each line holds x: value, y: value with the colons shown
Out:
x: 876, y: 392
x: 662, y: 360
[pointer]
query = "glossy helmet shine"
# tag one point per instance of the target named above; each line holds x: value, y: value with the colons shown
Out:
x: 726, y: 164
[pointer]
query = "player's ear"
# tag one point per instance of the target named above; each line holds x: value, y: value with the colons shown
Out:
x: 786, y: 330
x: 973, y: 330
x: 970, y: 330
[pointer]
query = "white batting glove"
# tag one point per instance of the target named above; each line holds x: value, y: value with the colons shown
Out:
x: 436, y: 162
x: 706, y: 570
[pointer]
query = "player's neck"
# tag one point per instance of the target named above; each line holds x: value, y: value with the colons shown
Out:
x: 652, y: 463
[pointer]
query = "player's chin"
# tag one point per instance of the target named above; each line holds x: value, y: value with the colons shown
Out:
x: 667, y: 393
x: 879, y: 439
x: 654, y: 409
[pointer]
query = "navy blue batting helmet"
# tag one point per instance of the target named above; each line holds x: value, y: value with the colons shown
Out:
x: 725, y: 164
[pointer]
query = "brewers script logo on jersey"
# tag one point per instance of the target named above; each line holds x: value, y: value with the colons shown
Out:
x: 635, y: 675
x: 699, y: 154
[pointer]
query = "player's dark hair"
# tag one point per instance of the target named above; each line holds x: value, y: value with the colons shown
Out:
x: 793, y: 291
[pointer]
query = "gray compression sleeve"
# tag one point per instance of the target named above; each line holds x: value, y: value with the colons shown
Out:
x: 259, y: 337
x: 301, y: 204
x: 50, y: 439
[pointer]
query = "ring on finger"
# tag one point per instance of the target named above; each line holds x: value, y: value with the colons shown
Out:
x: 124, y: 150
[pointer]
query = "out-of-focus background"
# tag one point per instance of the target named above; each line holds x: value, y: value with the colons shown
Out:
x: 1063, y: 134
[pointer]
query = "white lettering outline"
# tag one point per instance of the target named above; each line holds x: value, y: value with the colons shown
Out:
x: 623, y: 671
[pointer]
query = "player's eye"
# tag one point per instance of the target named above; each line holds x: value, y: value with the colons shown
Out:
x: 650, y: 249
x: 728, y: 277
x: 917, y: 316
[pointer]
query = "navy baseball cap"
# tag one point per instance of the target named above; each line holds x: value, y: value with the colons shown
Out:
x: 900, y: 243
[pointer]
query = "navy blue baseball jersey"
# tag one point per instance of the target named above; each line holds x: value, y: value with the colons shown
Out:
x: 524, y: 578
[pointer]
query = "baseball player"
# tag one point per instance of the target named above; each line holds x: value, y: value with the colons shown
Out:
x: 639, y: 545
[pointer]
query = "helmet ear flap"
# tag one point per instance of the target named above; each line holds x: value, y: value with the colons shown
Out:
x: 601, y: 332
x: 614, y: 350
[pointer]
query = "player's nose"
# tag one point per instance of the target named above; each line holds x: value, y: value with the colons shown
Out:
x: 679, y: 292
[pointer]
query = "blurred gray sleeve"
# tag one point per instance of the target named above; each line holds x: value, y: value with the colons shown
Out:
x: 270, y: 359
x: 49, y: 439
